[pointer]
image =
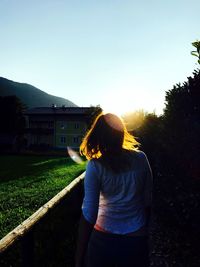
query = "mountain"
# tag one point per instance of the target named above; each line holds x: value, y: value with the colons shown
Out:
x: 30, y: 95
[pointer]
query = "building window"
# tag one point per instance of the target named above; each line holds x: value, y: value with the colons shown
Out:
x: 76, y: 125
x: 76, y: 140
x: 63, y: 125
x: 63, y: 139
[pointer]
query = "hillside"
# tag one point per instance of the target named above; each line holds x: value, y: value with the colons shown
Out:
x: 30, y: 95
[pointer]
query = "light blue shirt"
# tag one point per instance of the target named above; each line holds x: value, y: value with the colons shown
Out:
x: 116, y: 202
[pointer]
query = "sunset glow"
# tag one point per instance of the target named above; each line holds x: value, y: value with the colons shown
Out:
x: 120, y: 103
x: 121, y: 55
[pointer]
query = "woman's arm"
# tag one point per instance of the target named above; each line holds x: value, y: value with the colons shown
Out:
x: 89, y: 211
x: 84, y: 232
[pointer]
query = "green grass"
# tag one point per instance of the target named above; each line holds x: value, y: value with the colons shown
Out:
x: 27, y: 182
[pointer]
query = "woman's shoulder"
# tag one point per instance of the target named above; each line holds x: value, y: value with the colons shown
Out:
x: 138, y: 153
x: 141, y: 154
x: 138, y: 156
x: 94, y: 161
x: 95, y: 164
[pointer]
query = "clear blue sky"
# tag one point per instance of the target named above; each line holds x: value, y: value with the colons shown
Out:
x: 122, y: 54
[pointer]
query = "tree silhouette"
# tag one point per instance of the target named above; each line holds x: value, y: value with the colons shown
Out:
x: 12, y: 123
x: 11, y: 115
x: 182, y: 124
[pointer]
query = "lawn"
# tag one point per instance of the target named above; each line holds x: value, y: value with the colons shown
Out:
x: 27, y: 182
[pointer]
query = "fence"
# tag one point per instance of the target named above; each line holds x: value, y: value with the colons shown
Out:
x: 46, y: 238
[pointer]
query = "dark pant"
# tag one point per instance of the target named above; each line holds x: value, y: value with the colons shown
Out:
x: 112, y: 250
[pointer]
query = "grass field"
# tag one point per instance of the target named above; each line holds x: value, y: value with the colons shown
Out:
x: 27, y: 182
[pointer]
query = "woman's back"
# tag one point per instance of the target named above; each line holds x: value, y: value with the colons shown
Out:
x: 122, y: 195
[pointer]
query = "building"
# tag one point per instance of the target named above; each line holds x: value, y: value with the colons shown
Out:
x: 57, y: 127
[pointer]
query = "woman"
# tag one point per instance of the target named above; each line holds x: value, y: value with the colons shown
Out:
x: 113, y: 229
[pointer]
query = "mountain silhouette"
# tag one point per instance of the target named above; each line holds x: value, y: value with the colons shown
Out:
x: 31, y: 96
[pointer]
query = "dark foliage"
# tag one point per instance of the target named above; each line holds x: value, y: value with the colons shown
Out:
x: 172, y: 144
x: 12, y: 124
x: 11, y: 115
x: 93, y: 113
x: 182, y: 125
x: 181, y: 146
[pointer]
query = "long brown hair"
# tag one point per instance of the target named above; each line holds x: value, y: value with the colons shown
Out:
x: 107, y: 140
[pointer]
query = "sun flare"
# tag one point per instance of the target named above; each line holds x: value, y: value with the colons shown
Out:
x: 114, y: 104
x: 122, y: 103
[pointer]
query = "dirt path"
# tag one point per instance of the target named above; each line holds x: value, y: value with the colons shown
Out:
x: 170, y: 248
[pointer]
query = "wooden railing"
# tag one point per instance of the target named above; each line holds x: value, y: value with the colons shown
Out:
x: 69, y: 201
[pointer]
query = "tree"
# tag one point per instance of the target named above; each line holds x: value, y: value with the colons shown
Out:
x: 134, y: 120
x: 146, y: 127
x: 93, y: 113
x: 182, y: 124
x: 12, y: 123
x: 11, y: 115
x: 197, y: 52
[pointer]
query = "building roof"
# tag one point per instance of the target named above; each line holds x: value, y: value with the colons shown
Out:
x: 59, y: 110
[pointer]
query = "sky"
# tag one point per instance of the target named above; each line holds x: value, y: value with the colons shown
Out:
x: 120, y: 54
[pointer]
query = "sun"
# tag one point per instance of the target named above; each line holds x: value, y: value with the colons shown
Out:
x: 119, y: 103
x: 125, y: 101
x: 117, y: 109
